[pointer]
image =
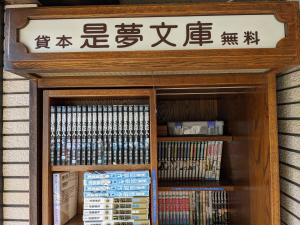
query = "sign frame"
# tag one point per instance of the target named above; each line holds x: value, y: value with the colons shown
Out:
x: 285, y: 55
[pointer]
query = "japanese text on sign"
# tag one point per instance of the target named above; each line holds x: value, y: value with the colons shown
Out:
x: 152, y: 33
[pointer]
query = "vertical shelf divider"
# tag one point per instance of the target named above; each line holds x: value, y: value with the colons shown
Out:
x: 153, y: 156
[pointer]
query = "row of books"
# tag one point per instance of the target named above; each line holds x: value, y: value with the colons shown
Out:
x: 116, y: 197
x: 99, y: 134
x: 188, y: 160
x: 193, y: 208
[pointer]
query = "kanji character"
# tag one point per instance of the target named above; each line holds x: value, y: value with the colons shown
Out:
x: 198, y: 33
x: 95, y: 32
x: 128, y: 34
x: 163, y: 38
x: 42, y: 41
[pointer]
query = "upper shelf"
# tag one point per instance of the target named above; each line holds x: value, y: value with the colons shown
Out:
x: 196, y: 138
x: 84, y: 168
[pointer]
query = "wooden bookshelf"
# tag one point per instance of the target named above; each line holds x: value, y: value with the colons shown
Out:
x: 194, y: 186
x: 84, y: 168
x: 83, y: 97
x: 197, y: 138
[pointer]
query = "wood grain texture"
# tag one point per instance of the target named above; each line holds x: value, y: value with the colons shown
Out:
x: 35, y: 167
x: 154, y: 81
x: 85, y: 168
x: 192, y: 138
x: 284, y: 55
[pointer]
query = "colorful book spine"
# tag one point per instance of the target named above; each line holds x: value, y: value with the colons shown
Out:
x: 115, y: 146
x: 84, y: 132
x: 105, y: 135
x: 74, y: 136
x: 147, y: 133
x: 120, y: 135
x: 63, y: 134
x: 130, y: 135
x: 109, y: 134
x: 53, y: 135
x: 79, y: 135
x: 89, y: 136
x: 100, y: 134
x: 142, y: 135
x: 126, y: 135
x: 58, y: 136
x: 69, y: 135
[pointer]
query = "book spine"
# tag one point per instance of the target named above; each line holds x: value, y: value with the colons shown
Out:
x: 147, y: 133
x: 130, y: 135
x: 94, y: 135
x: 100, y: 142
x: 116, y: 174
x: 141, y: 135
x: 109, y: 134
x: 84, y: 136
x: 53, y: 135
x: 56, y: 199
x: 136, y: 133
x: 105, y: 135
x: 115, y: 146
x: 120, y: 135
x: 69, y: 135
x: 58, y: 135
x: 89, y: 136
x: 220, y: 147
x: 74, y: 135
x: 126, y: 135
x: 63, y: 134
x: 79, y: 135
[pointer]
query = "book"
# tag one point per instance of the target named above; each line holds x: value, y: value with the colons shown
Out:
x: 100, y: 135
x: 58, y: 136
x: 65, y: 188
x: 63, y: 134
x: 79, y: 135
x: 69, y: 135
x: 53, y: 135
x: 74, y: 134
x: 89, y: 131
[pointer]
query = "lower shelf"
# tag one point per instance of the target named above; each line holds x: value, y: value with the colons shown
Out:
x: 194, y: 186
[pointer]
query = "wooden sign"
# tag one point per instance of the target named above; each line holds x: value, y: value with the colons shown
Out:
x: 146, y: 40
x: 152, y: 33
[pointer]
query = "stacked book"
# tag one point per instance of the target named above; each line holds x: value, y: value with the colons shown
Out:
x: 187, y: 160
x: 65, y: 190
x: 116, y: 197
x: 193, y: 208
x: 99, y: 134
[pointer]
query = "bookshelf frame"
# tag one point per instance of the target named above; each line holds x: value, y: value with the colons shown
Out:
x: 50, y: 73
x: 47, y: 169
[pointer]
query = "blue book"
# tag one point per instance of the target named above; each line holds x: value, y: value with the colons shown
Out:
x: 116, y: 175
x: 116, y: 194
x: 116, y: 188
x: 140, y: 181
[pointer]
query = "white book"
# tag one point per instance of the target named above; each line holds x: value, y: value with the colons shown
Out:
x: 65, y: 189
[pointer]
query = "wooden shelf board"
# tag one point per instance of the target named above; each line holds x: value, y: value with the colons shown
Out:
x: 77, y: 220
x: 84, y: 168
x: 194, y: 186
x: 196, y: 138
